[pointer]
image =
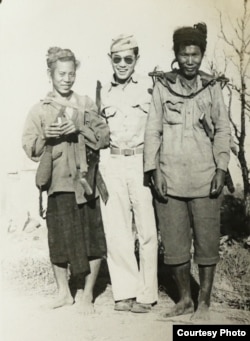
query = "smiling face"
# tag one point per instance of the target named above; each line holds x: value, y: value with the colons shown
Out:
x: 123, y: 63
x: 63, y: 76
x: 189, y: 59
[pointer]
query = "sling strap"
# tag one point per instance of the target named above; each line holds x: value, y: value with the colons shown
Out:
x: 164, y: 78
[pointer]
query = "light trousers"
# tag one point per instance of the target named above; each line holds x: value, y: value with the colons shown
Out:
x: 127, y: 195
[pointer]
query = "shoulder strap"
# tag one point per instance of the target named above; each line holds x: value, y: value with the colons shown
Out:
x: 164, y: 79
x: 61, y: 102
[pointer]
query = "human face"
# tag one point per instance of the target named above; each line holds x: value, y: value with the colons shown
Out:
x: 63, y: 76
x: 189, y: 59
x: 123, y: 64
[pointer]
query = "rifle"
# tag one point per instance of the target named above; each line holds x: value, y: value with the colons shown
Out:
x: 98, y: 96
x: 99, y: 179
x: 94, y: 176
x: 228, y: 179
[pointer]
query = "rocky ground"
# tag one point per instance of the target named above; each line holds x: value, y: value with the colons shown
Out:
x: 27, y: 286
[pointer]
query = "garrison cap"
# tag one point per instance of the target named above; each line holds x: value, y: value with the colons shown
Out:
x: 123, y: 42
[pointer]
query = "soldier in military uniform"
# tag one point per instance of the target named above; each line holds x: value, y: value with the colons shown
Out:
x: 125, y: 104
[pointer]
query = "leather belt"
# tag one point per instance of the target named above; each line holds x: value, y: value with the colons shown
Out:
x: 126, y: 151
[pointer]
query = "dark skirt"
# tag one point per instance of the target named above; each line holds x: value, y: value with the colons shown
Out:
x: 75, y: 232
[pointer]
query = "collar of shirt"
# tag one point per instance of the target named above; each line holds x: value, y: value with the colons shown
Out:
x: 72, y: 102
x: 187, y: 86
x: 133, y: 78
x: 204, y: 77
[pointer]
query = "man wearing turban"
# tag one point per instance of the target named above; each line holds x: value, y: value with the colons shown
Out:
x: 187, y: 145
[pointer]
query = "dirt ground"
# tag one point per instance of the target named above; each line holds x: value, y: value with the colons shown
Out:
x: 27, y: 286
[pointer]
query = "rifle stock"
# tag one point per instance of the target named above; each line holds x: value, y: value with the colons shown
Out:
x: 95, y: 176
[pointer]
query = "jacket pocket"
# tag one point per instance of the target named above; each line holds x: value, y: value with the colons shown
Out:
x: 143, y: 107
x: 173, y: 111
x: 108, y: 112
x: 57, y: 151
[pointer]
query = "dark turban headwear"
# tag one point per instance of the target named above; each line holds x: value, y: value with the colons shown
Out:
x: 56, y: 53
x: 196, y: 35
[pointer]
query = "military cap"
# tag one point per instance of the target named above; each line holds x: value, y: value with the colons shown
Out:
x: 123, y: 42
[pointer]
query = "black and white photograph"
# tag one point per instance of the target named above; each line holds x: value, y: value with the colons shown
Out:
x: 125, y: 173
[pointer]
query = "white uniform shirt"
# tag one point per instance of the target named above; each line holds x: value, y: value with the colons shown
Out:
x: 125, y: 107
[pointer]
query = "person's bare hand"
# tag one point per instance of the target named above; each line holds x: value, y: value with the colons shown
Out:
x: 52, y: 131
x: 160, y: 185
x: 218, y: 183
x: 68, y: 127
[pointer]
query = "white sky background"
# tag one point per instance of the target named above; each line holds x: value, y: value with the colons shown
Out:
x: 29, y: 27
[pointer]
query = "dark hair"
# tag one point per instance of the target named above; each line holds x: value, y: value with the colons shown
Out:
x: 56, y: 53
x: 136, y: 51
x: 196, y: 35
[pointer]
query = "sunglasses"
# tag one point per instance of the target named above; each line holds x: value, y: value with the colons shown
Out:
x: 128, y: 59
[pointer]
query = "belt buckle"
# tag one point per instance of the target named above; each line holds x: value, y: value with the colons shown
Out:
x: 128, y: 152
